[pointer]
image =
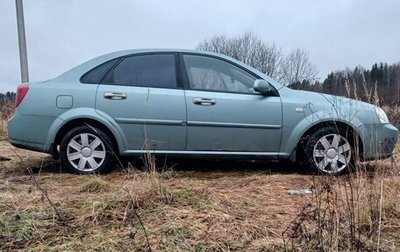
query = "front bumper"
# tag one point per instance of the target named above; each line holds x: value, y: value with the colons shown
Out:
x: 378, y: 140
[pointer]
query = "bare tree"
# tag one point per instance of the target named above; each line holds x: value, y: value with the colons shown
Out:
x: 297, y: 67
x: 249, y: 49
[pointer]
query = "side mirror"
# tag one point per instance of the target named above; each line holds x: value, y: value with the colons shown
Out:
x: 261, y: 86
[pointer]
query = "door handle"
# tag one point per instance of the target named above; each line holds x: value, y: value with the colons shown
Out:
x: 115, y: 96
x: 204, y: 101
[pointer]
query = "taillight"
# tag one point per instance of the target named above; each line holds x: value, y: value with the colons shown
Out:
x: 21, y: 92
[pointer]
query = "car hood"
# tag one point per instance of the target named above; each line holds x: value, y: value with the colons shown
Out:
x: 313, y: 103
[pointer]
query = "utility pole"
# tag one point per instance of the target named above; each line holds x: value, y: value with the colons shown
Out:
x: 23, y: 58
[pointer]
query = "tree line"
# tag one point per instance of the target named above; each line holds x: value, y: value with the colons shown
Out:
x: 7, y: 97
x: 380, y: 84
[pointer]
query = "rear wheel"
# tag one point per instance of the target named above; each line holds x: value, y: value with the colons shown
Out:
x: 329, y: 151
x: 86, y: 150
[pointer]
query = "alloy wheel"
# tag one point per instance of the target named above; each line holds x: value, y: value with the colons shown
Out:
x: 86, y: 152
x: 332, y: 153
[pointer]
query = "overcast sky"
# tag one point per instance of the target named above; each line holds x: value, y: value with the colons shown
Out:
x: 64, y: 33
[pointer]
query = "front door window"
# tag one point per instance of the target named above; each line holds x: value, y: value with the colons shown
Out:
x: 211, y: 74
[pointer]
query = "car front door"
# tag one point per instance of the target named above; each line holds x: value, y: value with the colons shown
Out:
x: 143, y: 94
x: 224, y: 113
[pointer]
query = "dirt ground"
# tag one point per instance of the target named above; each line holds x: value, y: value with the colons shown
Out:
x: 189, y: 206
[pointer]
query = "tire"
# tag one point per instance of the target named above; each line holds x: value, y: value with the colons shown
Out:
x: 86, y: 150
x: 329, y: 151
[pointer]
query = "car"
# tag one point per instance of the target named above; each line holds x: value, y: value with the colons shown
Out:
x: 196, y: 104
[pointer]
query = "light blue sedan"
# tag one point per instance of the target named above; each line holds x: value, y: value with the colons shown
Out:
x: 191, y: 103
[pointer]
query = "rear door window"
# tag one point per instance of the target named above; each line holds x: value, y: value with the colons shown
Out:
x: 154, y: 70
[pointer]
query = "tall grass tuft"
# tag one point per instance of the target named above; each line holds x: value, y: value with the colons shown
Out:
x: 357, y: 212
x: 155, y: 176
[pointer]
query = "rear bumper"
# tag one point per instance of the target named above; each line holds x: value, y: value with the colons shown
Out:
x: 379, y: 140
x: 29, y: 131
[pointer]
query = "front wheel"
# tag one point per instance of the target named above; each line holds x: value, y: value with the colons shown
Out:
x: 86, y: 150
x: 329, y: 152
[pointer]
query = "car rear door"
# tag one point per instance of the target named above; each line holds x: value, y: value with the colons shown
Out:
x: 144, y: 95
x: 224, y: 113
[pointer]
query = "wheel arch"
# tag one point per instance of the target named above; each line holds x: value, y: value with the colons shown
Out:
x: 85, y: 121
x: 83, y: 116
x: 334, y: 124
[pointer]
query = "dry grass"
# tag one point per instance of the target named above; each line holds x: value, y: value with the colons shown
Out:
x: 197, y: 206
x: 357, y: 212
x: 197, y: 209
x: 6, y: 111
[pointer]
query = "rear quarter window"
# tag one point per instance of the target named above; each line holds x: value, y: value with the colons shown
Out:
x: 95, y: 75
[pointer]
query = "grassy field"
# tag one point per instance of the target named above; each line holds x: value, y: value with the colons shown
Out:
x: 195, y: 206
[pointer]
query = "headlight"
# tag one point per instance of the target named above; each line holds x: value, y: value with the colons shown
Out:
x: 381, y: 115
